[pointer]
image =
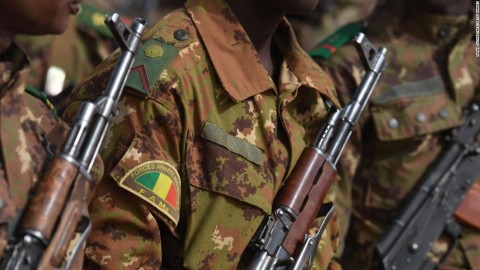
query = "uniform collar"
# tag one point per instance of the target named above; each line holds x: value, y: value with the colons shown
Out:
x: 12, y: 60
x: 235, y: 58
x: 302, y: 66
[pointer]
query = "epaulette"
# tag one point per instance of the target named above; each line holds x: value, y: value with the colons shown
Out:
x: 152, y: 58
x: 336, y: 40
x: 92, y: 17
x: 40, y: 95
x: 161, y: 44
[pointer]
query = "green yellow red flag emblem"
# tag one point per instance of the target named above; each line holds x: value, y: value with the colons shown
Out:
x: 157, y: 183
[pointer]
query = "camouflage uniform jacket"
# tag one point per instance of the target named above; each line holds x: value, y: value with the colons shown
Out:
x: 59, y: 62
x: 431, y: 76
x: 202, y: 142
x: 30, y: 135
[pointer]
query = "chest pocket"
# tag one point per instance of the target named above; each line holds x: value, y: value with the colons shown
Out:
x: 222, y: 163
x: 414, y: 109
x: 409, y: 121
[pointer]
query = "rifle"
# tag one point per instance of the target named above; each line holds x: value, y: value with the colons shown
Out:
x: 431, y: 208
x: 56, y: 212
x: 282, y: 241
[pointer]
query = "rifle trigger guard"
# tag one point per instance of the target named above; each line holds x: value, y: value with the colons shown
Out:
x: 453, y: 230
x: 306, y: 254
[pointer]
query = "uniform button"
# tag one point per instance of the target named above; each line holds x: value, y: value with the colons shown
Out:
x: 393, y: 123
x: 181, y: 34
x: 443, y: 32
x: 420, y: 117
x: 443, y: 113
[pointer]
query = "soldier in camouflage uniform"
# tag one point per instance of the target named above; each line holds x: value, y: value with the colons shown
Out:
x: 432, y: 75
x: 59, y: 62
x: 30, y: 132
x: 216, y: 112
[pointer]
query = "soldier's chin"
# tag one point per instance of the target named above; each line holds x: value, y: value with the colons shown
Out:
x: 56, y: 28
x: 74, y: 8
x: 60, y: 28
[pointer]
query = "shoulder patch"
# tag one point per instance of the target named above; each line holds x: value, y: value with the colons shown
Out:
x: 157, y: 183
x: 153, y: 57
x: 336, y: 40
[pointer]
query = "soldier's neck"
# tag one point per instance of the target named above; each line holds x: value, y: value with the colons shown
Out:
x: 5, y: 41
x: 259, y: 22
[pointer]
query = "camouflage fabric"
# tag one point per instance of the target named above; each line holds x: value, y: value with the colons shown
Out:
x: 30, y: 135
x: 346, y: 11
x: 202, y: 117
x: 431, y: 75
x: 25, y: 122
x: 329, y: 16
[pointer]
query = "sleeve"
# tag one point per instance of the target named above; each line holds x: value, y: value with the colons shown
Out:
x: 7, y: 209
x: 126, y: 232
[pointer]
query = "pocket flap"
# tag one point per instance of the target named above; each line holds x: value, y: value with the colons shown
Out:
x: 236, y: 145
x: 221, y: 163
x: 407, y: 117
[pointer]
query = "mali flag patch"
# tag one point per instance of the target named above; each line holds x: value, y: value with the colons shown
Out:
x: 157, y: 183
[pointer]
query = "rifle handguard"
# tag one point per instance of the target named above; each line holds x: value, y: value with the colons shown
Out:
x: 282, y: 241
x: 57, y: 206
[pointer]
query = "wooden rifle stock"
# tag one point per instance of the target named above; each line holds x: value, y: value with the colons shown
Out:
x: 55, y: 183
x: 310, y: 179
x: 72, y: 217
x: 57, y: 209
x: 283, y: 240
